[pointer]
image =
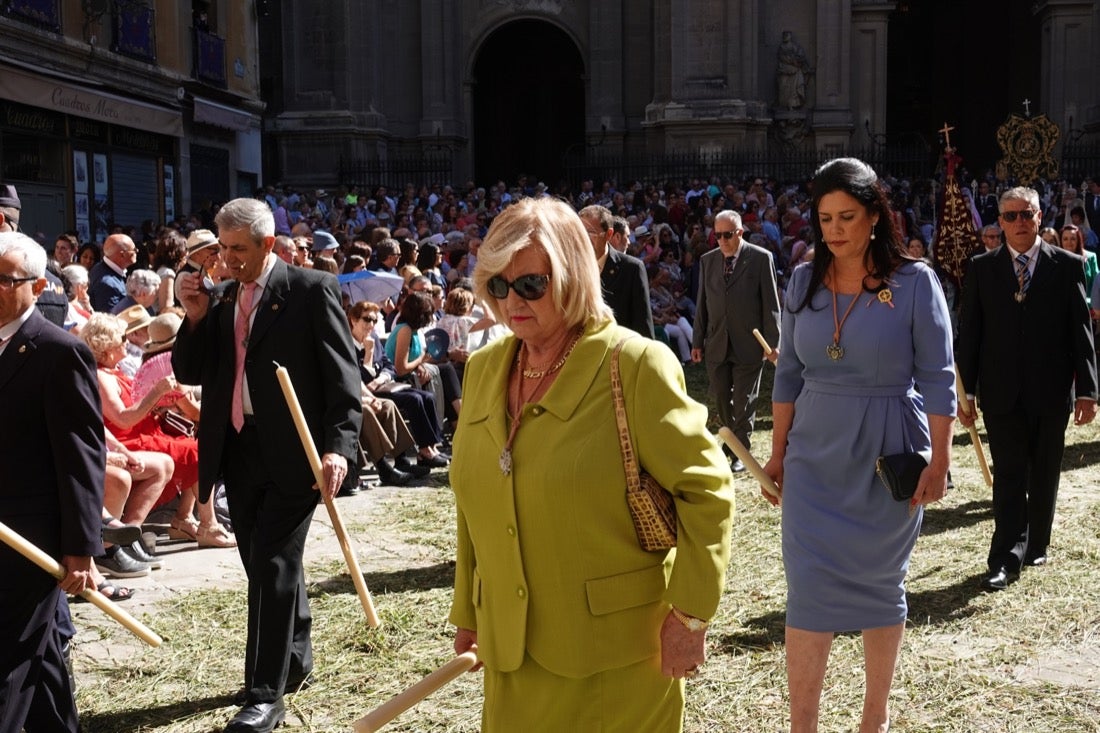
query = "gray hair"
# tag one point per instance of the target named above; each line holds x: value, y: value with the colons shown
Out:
x: 34, y: 257
x: 729, y: 215
x: 1020, y: 193
x: 142, y: 282
x: 76, y: 274
x: 251, y: 215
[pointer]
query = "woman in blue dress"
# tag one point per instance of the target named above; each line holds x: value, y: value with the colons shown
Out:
x: 864, y: 328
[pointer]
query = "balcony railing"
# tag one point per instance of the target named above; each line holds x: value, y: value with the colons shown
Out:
x: 209, y: 56
x: 42, y: 13
x: 135, y: 27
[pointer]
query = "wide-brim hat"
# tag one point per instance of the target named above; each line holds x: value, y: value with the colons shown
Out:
x: 323, y: 241
x: 136, y: 318
x: 8, y: 197
x: 162, y: 332
x: 200, y: 239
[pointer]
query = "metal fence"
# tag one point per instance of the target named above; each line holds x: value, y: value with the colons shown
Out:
x: 1080, y: 160
x: 395, y: 171
x: 909, y: 162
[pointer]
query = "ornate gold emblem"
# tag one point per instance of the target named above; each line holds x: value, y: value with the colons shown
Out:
x: 1028, y: 146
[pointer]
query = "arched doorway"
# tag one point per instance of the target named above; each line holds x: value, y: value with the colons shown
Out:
x: 528, y: 103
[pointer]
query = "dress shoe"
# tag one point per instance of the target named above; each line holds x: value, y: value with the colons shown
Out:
x: 737, y: 466
x: 137, y: 551
x: 1036, y: 562
x: 999, y: 579
x: 404, y: 464
x: 349, y: 489
x: 258, y: 717
x: 391, y: 476
x: 439, y: 460
x: 115, y: 563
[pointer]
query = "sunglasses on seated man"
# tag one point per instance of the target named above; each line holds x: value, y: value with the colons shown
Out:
x: 528, y: 287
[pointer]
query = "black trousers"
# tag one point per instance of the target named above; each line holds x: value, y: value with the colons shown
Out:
x: 271, y: 525
x: 35, y: 693
x: 1027, y: 453
x: 418, y: 408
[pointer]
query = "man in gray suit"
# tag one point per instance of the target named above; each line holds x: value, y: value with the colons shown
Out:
x: 736, y: 294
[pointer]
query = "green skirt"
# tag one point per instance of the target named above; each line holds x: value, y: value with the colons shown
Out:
x: 627, y: 700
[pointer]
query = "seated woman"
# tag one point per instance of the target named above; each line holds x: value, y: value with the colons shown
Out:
x: 458, y: 324
x: 666, y: 315
x: 135, y: 424
x: 415, y: 405
x: 405, y: 348
x: 156, y: 365
x: 142, y: 288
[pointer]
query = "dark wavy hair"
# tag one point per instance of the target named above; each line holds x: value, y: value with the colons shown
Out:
x: 886, y: 250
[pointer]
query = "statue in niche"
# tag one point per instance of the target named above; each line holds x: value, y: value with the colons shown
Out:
x: 790, y: 73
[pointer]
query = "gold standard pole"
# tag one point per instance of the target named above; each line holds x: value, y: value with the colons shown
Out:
x: 318, y: 475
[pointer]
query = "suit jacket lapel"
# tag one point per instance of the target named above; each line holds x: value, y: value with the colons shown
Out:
x: 22, y: 346
x: 272, y: 300
x: 1044, y: 266
x: 738, y: 265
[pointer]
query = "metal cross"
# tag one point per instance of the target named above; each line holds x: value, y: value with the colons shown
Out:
x: 1027, y: 107
x: 946, y: 130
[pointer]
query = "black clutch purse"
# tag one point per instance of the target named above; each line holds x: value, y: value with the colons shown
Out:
x: 900, y: 473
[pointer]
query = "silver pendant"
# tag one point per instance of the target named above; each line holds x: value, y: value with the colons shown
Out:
x: 1019, y: 295
x: 834, y: 352
x: 506, y: 461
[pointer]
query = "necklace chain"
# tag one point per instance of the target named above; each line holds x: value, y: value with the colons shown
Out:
x: 834, y: 350
x: 533, y: 372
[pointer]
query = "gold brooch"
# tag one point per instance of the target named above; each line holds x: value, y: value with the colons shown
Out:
x: 886, y: 296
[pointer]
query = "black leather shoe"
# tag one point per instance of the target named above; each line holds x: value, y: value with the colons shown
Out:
x: 737, y: 467
x: 999, y: 579
x: 123, y: 536
x: 391, y: 476
x: 439, y: 460
x: 349, y: 489
x: 259, y: 717
x: 404, y: 464
x: 1036, y: 562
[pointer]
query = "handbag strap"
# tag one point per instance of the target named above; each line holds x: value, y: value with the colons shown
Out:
x: 630, y: 461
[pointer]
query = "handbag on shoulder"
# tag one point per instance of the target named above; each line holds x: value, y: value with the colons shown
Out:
x: 652, y: 508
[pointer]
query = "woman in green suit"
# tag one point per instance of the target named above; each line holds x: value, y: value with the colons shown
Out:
x: 578, y: 628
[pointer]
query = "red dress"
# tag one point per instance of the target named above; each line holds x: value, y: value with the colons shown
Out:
x: 146, y: 435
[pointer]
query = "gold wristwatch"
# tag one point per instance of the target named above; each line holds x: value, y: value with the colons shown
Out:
x: 692, y: 623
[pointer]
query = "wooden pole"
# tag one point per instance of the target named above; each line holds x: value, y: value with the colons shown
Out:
x: 964, y: 405
x: 387, y: 711
x: 745, y: 457
x: 334, y: 514
x: 763, y: 342
x: 20, y: 544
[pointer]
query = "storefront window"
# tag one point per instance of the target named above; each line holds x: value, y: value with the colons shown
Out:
x: 28, y: 158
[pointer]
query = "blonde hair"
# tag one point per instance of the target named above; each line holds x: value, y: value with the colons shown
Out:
x: 556, y: 229
x: 459, y: 302
x: 102, y: 333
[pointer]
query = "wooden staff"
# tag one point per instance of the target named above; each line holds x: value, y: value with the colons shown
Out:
x: 20, y: 544
x: 319, y: 476
x: 387, y: 711
x: 745, y: 457
x: 767, y: 349
x: 964, y: 405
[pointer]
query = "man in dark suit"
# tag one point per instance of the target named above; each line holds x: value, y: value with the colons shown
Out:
x: 1092, y: 203
x: 625, y: 284
x: 1026, y: 349
x: 107, y: 279
x: 292, y: 316
x: 53, y: 455
x: 737, y: 293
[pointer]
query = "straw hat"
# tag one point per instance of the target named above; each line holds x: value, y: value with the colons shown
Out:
x: 162, y: 333
x: 200, y: 239
x: 136, y: 317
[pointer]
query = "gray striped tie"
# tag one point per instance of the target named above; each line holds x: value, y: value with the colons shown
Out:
x: 1022, y: 273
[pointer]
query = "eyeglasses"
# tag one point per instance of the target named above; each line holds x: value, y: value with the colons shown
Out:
x: 528, y: 287
x: 1026, y: 214
x: 7, y: 282
x: 724, y: 235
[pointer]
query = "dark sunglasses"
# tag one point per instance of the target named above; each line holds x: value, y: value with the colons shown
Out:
x: 528, y: 287
x: 1027, y: 214
x: 369, y: 319
x: 724, y: 235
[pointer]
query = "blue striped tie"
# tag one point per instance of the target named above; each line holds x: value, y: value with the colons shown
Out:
x: 1022, y: 273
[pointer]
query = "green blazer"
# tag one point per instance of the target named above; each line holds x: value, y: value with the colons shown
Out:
x: 547, y: 560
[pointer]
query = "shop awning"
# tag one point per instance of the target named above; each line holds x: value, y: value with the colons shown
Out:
x: 219, y: 115
x: 48, y: 93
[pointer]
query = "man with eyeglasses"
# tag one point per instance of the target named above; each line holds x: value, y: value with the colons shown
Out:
x: 107, y: 280
x: 625, y: 285
x: 737, y: 293
x: 52, y: 450
x: 1026, y: 348
x: 991, y: 237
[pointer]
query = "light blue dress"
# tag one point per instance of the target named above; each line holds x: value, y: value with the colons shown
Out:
x: 846, y: 542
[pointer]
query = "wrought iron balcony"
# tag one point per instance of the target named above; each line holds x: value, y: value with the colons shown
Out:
x: 42, y: 13
x: 135, y: 31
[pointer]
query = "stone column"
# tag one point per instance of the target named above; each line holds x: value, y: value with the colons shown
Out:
x: 868, y: 90
x: 441, y: 72
x: 605, y: 121
x: 832, y: 117
x: 1069, y: 94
